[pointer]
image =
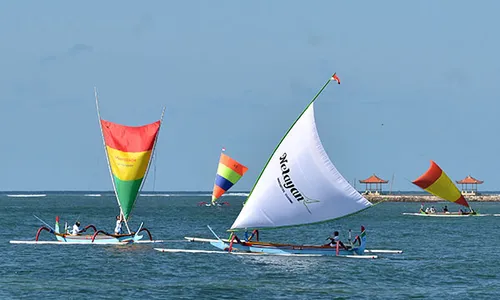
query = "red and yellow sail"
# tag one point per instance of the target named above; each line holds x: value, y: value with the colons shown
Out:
x: 436, y: 182
x: 129, y: 151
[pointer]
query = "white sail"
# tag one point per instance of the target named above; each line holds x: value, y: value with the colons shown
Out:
x: 299, y: 185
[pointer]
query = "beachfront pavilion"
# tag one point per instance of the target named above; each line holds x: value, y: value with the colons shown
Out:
x: 469, y: 185
x: 373, y: 185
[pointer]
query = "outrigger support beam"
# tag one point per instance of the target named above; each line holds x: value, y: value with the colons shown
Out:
x: 121, y: 235
x: 42, y: 229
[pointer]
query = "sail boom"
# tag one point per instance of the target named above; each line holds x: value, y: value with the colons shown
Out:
x: 107, y: 159
x: 299, y: 225
x: 313, y: 99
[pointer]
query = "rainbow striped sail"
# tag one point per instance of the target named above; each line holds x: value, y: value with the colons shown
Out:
x: 436, y: 182
x: 228, y: 173
x: 129, y: 151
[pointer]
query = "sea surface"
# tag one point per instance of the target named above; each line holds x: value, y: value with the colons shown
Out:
x: 448, y: 258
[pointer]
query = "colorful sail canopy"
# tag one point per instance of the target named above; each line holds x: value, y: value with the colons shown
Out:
x: 129, y: 151
x: 436, y: 182
x: 299, y: 185
x: 229, y: 172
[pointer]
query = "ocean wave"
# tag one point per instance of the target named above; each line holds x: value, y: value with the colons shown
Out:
x: 26, y: 195
x: 92, y: 195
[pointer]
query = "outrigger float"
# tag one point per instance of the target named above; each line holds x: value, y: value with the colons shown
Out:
x: 129, y: 151
x: 436, y: 182
x: 299, y: 185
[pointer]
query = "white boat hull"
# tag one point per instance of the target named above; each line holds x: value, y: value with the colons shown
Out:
x: 212, y: 241
x: 445, y: 215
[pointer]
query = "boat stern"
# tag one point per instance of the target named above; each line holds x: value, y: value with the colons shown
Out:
x: 362, y: 242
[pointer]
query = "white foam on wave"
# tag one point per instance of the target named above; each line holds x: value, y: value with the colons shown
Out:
x: 237, y: 194
x: 26, y: 195
x: 92, y: 195
x: 194, y: 195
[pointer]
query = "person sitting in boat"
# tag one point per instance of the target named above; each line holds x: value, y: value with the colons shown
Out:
x: 432, y: 210
x: 76, y: 228
x: 427, y: 210
x: 335, y: 239
x: 445, y: 209
x: 461, y: 212
x: 118, y: 227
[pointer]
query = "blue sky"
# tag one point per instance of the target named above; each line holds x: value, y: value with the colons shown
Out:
x: 237, y: 74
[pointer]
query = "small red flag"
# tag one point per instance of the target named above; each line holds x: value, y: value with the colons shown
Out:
x: 336, y: 78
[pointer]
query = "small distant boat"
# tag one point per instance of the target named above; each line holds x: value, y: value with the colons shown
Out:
x: 129, y: 150
x: 299, y: 185
x: 229, y: 171
x: 436, y: 182
x: 208, y: 204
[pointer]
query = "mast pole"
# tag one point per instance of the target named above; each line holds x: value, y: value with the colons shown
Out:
x: 107, y: 159
x: 222, y: 150
x: 312, y: 101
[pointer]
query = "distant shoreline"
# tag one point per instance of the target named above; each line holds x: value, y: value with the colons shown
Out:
x: 395, y: 197
x: 428, y: 198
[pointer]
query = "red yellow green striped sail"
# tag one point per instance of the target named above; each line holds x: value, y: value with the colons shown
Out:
x: 129, y: 151
x: 436, y: 182
x: 228, y: 173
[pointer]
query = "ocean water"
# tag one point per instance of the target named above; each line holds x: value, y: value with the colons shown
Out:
x: 449, y: 258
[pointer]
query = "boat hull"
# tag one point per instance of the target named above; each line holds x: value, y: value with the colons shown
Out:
x: 285, y: 249
x: 100, y: 239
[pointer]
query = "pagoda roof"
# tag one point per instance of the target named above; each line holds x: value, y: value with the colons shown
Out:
x: 469, y: 179
x: 374, y: 179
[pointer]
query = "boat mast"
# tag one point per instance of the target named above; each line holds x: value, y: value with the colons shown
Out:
x: 151, y: 158
x: 107, y: 159
x: 222, y: 150
x: 283, y: 138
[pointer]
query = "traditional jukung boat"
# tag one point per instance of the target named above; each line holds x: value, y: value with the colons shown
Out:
x: 95, y: 237
x: 229, y: 171
x: 299, y: 185
x: 129, y: 151
x: 436, y: 182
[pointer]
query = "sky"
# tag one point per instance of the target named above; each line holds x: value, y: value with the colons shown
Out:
x: 420, y: 81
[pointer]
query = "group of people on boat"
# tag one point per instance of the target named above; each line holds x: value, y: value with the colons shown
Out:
x: 334, y: 240
x: 118, y: 227
x: 432, y: 210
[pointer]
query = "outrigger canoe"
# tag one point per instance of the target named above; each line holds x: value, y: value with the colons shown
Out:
x: 229, y: 172
x: 436, y: 182
x: 95, y: 237
x: 299, y: 185
x: 129, y: 151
